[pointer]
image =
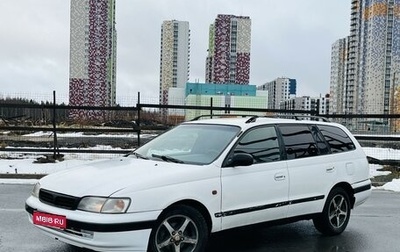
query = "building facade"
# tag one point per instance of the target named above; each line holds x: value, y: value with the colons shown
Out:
x: 224, y: 96
x: 174, y: 57
x: 373, y: 58
x: 379, y: 54
x: 227, y: 96
x: 339, y: 55
x: 92, y: 80
x: 307, y: 103
x: 279, y: 90
x: 228, y: 58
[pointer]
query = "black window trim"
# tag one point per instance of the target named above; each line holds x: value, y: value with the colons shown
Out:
x: 322, y: 138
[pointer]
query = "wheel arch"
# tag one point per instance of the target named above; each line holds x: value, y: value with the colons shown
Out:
x: 349, y: 190
x: 196, y: 205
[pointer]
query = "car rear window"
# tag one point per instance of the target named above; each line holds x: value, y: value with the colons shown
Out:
x: 337, y: 139
x: 299, y: 141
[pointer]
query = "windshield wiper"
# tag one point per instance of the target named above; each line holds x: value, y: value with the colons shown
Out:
x: 168, y: 158
x: 128, y: 154
x: 137, y: 155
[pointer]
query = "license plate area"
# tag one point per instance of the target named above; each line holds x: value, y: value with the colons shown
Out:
x: 49, y: 220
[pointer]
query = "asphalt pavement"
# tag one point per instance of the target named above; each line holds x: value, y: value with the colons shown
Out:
x: 374, y: 226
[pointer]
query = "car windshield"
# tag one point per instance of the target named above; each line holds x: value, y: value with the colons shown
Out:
x: 189, y: 143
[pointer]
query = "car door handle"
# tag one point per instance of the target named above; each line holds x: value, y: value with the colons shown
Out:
x: 330, y: 169
x: 279, y: 177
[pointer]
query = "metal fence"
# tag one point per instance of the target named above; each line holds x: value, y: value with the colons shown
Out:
x: 49, y: 128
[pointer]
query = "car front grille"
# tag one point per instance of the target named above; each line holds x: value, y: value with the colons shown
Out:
x: 58, y: 199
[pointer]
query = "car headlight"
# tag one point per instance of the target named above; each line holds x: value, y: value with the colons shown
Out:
x: 36, y: 189
x: 104, y: 205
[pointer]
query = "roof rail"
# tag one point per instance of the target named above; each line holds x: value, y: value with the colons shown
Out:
x: 252, y: 119
x: 221, y: 116
x: 305, y: 117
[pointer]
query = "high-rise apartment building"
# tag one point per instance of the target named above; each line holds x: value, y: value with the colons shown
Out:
x: 307, y: 103
x: 92, y: 80
x: 338, y: 74
x: 174, y: 57
x: 373, y: 57
x: 228, y: 59
x: 279, y: 90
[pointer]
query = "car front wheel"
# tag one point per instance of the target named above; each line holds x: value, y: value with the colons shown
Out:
x: 336, y: 214
x: 180, y: 229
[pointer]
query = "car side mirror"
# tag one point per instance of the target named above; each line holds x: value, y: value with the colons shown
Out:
x: 241, y: 159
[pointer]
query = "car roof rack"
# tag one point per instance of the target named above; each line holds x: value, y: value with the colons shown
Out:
x: 220, y: 116
x: 305, y: 117
x: 295, y: 117
x: 253, y: 118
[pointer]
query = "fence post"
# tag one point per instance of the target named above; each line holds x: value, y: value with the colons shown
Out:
x: 138, y: 119
x: 211, y: 107
x: 54, y: 126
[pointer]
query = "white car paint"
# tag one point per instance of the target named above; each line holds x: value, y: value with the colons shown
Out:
x: 232, y: 196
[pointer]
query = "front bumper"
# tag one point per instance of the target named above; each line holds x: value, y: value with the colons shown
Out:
x: 100, y: 232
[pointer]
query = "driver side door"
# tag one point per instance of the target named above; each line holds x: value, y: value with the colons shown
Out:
x: 257, y: 192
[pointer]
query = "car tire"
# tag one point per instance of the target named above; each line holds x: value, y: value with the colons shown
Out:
x: 336, y: 214
x: 180, y: 228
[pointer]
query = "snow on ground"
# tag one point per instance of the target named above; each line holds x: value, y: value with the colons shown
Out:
x: 394, y: 185
x: 81, y: 134
x: 381, y: 154
x: 27, y: 165
x: 24, y: 164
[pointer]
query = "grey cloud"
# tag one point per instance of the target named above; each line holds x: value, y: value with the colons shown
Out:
x: 289, y: 38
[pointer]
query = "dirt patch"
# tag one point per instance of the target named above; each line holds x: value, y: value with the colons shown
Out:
x: 383, y: 179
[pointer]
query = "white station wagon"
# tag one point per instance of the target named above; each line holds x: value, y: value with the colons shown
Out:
x: 203, y: 177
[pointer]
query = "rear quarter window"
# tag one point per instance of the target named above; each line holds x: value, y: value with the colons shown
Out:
x: 336, y: 138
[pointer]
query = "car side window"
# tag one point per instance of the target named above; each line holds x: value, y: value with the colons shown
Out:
x: 299, y: 141
x: 337, y: 139
x: 323, y: 147
x: 262, y: 143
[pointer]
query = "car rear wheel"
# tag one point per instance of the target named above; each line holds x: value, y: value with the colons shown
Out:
x: 336, y: 214
x: 180, y: 229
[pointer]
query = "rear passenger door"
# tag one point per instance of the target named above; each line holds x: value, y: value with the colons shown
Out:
x: 258, y: 192
x: 311, y: 168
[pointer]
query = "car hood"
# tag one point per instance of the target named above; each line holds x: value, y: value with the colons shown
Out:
x: 108, y: 177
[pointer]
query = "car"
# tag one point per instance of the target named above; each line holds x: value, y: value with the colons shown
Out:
x: 205, y: 176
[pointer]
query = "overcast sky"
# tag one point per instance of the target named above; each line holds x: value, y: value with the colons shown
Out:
x: 290, y: 38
